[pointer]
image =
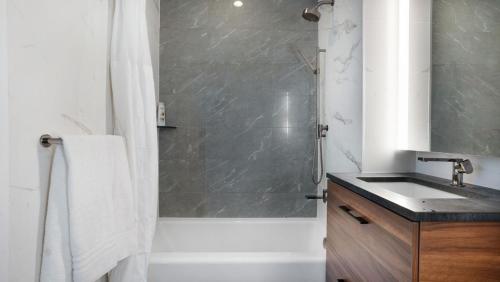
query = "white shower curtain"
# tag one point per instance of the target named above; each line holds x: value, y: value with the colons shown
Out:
x: 134, y: 105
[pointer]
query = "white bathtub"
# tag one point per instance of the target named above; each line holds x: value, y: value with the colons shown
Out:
x: 237, y: 250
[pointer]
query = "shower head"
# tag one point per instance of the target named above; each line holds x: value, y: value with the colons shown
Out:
x: 313, y: 14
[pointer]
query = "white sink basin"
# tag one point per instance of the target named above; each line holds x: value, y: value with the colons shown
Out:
x: 416, y: 191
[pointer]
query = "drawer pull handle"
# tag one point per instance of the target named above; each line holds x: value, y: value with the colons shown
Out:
x: 349, y: 211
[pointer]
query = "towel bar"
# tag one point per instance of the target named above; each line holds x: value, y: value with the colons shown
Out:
x: 46, y: 140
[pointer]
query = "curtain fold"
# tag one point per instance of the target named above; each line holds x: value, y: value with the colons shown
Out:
x: 134, y: 106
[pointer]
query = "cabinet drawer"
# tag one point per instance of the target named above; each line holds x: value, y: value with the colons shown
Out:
x: 366, y: 242
x: 459, y: 251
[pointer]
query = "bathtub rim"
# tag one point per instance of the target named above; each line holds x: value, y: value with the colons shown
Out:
x: 241, y: 219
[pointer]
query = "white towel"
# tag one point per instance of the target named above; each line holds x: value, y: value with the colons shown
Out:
x: 91, y: 219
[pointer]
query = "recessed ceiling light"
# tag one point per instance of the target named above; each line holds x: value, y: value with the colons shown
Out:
x: 237, y: 3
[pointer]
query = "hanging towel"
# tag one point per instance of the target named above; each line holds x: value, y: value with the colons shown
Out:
x: 134, y: 105
x: 91, y: 219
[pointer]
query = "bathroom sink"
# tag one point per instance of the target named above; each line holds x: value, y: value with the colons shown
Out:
x: 410, y: 188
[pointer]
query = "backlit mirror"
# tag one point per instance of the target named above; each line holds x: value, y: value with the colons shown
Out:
x: 465, y: 77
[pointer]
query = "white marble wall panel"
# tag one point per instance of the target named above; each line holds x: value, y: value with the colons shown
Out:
x: 57, y: 54
x: 340, y: 33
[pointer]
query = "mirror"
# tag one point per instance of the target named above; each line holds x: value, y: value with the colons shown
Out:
x: 465, y: 79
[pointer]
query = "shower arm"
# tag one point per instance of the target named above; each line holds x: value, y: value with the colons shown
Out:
x: 324, y: 2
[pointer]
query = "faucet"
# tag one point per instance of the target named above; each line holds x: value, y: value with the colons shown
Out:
x: 459, y: 167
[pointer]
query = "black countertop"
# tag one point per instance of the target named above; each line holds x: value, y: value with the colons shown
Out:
x: 479, y: 203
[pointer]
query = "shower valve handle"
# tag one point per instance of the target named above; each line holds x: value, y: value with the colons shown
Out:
x: 322, y: 130
x: 318, y: 197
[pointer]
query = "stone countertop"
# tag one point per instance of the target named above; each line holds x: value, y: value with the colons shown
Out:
x: 479, y: 203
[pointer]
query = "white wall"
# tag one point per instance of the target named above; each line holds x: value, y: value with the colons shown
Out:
x: 4, y: 149
x: 380, y: 96
x: 57, y: 84
x: 340, y: 33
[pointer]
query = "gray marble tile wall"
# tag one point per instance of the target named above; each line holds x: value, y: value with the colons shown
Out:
x: 243, y: 102
x: 466, y: 77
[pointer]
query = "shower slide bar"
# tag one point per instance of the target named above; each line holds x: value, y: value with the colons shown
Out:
x: 46, y: 140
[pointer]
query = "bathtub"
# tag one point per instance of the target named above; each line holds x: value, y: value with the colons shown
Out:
x: 237, y: 250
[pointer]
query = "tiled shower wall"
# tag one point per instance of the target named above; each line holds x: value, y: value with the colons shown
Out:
x: 244, y: 104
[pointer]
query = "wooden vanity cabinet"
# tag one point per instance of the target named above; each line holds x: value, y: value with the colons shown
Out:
x: 366, y: 242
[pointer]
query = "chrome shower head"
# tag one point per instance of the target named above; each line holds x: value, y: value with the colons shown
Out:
x: 313, y: 14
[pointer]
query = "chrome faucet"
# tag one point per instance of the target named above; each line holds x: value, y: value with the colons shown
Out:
x: 459, y: 167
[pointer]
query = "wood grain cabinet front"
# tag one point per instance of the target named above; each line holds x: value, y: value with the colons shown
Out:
x: 367, y: 242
